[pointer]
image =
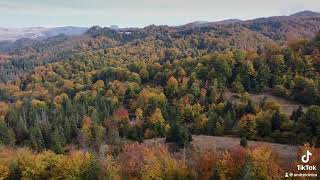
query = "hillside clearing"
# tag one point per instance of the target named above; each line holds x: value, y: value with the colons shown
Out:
x: 200, y: 143
x: 287, y: 106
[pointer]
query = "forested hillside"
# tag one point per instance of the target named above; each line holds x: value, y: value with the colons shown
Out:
x: 83, y: 101
x: 189, y: 40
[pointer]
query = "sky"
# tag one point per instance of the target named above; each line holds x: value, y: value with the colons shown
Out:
x: 140, y: 13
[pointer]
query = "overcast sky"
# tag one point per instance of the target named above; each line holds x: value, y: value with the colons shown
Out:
x: 139, y: 13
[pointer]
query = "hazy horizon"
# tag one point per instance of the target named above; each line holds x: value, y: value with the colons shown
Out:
x: 140, y: 13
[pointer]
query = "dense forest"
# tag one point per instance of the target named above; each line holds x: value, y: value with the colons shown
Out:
x: 158, y: 42
x: 85, y: 113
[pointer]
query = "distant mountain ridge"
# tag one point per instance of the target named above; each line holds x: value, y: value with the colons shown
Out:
x: 39, y: 33
x: 299, y: 25
x: 206, y: 23
x: 13, y: 34
x: 306, y: 13
x: 48, y: 45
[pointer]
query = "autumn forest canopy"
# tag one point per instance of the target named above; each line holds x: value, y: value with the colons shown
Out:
x: 84, y: 107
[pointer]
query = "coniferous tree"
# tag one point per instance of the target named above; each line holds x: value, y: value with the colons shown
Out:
x: 36, y: 138
x: 276, y: 121
x: 7, y: 136
x: 296, y: 114
x: 55, y: 142
x: 179, y: 134
x: 212, y: 120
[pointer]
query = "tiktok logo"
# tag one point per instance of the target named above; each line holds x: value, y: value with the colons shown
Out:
x: 305, y: 158
x: 306, y: 167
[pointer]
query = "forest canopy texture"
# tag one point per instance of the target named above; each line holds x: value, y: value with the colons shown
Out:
x: 82, y: 107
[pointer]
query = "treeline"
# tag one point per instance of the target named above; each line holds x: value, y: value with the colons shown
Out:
x: 138, y: 161
x: 157, y: 43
